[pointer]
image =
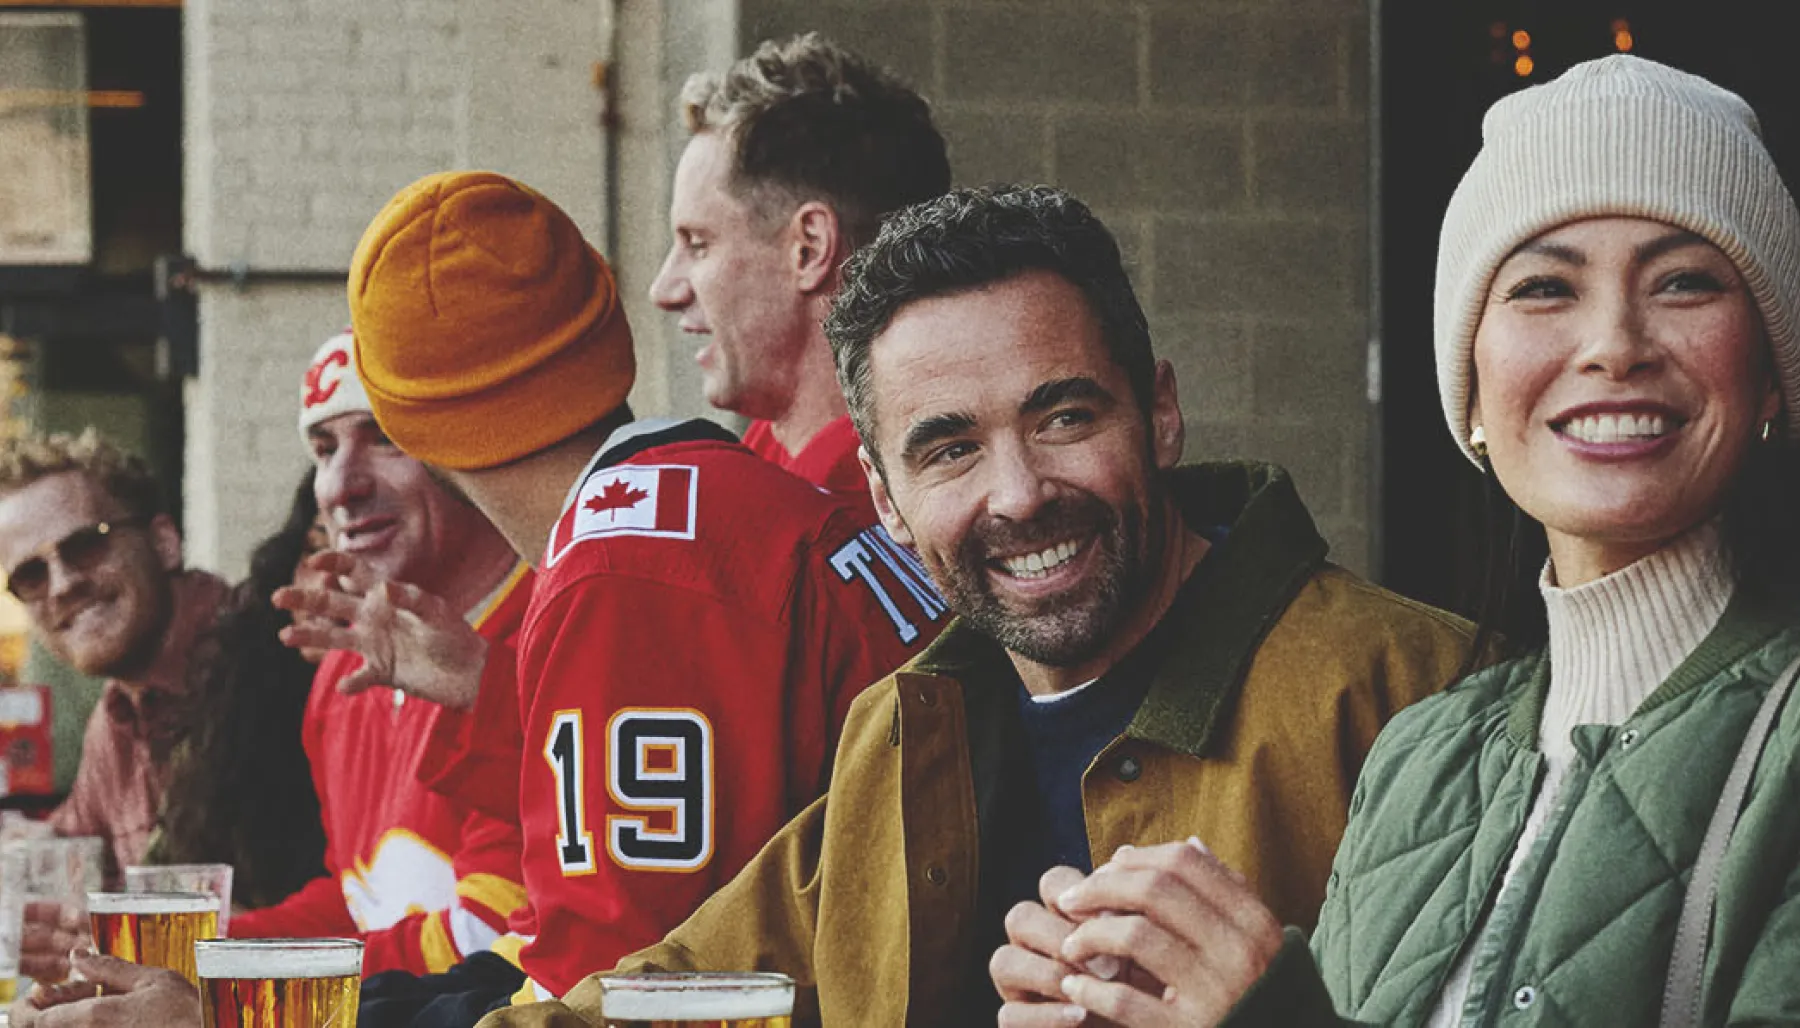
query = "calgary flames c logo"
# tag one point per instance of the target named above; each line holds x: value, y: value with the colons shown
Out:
x: 318, y: 390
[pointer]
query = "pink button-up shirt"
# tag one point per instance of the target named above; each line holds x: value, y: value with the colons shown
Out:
x: 118, y: 789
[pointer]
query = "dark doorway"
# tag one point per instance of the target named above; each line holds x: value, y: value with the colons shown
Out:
x: 1442, y: 65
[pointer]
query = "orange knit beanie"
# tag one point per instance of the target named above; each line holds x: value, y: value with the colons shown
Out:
x: 486, y: 327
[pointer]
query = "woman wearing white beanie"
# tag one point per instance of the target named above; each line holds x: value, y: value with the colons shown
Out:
x: 1606, y: 831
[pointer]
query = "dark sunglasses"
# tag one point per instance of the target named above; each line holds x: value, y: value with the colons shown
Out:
x: 81, y: 550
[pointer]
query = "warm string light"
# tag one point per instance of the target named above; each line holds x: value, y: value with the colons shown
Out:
x: 1522, y: 63
x: 1623, y: 40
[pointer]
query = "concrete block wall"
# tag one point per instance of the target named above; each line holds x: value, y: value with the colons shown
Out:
x: 303, y: 117
x: 1226, y: 144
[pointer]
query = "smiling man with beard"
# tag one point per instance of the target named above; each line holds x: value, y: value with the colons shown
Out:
x: 88, y: 547
x: 1143, y: 652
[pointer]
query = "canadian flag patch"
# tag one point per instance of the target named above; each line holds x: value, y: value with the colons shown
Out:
x: 632, y: 499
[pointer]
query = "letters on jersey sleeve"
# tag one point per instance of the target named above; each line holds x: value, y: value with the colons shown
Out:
x: 857, y: 560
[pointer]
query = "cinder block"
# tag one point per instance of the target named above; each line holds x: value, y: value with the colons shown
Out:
x: 1298, y: 61
x: 266, y: 75
x: 1200, y: 58
x: 258, y: 143
x: 428, y: 12
x: 1041, y: 53
x: 228, y: 110
x: 1253, y: 266
x: 987, y: 147
x: 1315, y: 458
x: 895, y: 35
x: 1212, y: 365
x: 1314, y: 371
x: 389, y: 111
x: 1311, y: 164
x: 425, y: 75
x: 306, y: 246
x: 335, y: 207
x: 268, y: 207
x: 320, y: 107
x: 380, y: 42
x: 317, y: 40
x: 1163, y: 163
x: 246, y: 13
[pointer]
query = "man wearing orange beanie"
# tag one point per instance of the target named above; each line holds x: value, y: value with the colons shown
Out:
x: 701, y: 620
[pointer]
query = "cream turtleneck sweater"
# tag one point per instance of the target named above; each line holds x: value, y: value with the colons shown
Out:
x: 1612, y: 642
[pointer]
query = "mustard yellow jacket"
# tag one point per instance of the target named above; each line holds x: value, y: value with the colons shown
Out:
x: 1272, y: 673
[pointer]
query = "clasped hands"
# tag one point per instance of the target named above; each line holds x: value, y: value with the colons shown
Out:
x: 1158, y: 937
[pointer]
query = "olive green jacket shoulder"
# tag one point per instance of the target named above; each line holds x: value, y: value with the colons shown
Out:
x: 1585, y: 932
x: 1270, y: 677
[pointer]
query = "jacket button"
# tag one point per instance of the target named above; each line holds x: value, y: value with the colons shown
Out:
x: 926, y: 698
x: 1525, y: 997
x: 1628, y: 738
x: 1130, y: 769
x: 936, y: 875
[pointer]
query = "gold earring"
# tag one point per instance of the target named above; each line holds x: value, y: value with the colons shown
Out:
x: 1478, y: 442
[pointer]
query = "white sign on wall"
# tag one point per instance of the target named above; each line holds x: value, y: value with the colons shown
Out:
x: 45, y: 208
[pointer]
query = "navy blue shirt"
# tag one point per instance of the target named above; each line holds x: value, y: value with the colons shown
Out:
x: 1063, y: 736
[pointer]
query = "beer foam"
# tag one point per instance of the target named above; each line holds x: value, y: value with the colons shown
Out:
x: 278, y: 958
x: 698, y: 1003
x: 151, y: 903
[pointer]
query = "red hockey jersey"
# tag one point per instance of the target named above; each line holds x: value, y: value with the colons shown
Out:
x: 828, y: 460
x: 701, y: 622
x: 424, y: 879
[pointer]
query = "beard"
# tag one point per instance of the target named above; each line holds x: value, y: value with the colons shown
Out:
x: 1072, y: 626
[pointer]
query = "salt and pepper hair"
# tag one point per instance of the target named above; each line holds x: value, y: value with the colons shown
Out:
x: 971, y: 238
x: 122, y: 476
x: 810, y: 120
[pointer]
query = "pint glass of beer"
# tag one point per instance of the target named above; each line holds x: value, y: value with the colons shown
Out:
x: 280, y: 983
x: 157, y: 929
x: 697, y: 1000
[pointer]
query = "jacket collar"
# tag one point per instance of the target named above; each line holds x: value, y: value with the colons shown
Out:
x: 1749, y: 622
x: 1206, y: 640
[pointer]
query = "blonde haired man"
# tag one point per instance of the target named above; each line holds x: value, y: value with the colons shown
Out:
x: 87, y: 545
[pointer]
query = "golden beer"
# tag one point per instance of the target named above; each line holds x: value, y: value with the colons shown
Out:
x: 697, y: 1000
x: 280, y: 983
x: 157, y: 929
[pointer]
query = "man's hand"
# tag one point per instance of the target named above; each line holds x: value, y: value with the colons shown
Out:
x: 1029, y: 970
x: 50, y: 931
x: 408, y: 638
x: 1184, y: 918
x: 135, y: 996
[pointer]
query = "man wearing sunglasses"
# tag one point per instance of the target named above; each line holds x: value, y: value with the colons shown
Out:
x: 89, y: 549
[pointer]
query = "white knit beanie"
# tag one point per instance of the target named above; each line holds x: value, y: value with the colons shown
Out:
x: 331, y: 385
x: 1619, y: 136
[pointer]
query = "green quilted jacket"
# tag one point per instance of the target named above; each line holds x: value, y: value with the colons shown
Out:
x: 1585, y: 933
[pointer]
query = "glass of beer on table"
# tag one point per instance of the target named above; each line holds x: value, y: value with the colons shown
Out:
x: 279, y: 983
x: 156, y: 929
x: 212, y: 879
x: 697, y: 1000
